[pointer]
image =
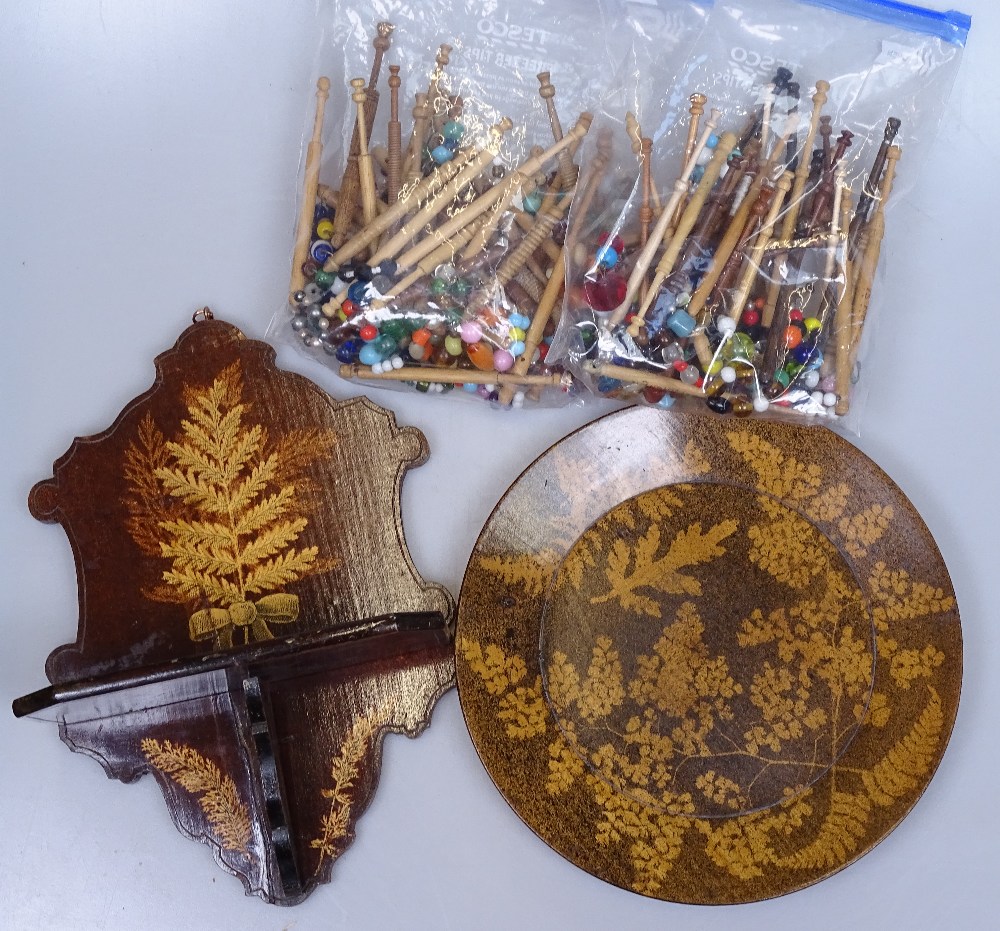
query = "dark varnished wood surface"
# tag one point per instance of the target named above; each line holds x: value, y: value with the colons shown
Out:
x: 709, y: 661
x: 251, y: 623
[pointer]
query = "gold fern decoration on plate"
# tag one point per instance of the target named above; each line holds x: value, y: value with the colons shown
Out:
x: 532, y: 572
x: 223, y: 504
x: 217, y: 795
x: 629, y: 570
x: 910, y: 759
x: 344, y: 771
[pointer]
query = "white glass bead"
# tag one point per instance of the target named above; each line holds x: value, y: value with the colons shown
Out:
x: 726, y: 326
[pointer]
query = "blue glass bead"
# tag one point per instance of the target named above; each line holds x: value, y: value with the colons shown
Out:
x: 681, y: 323
x: 322, y: 212
x: 606, y: 385
x: 348, y: 350
x: 662, y: 309
x: 320, y: 251
x: 532, y: 203
x: 519, y: 320
x: 442, y: 154
x: 607, y: 257
x: 369, y: 354
x: 666, y: 401
x: 698, y: 173
x: 713, y: 141
x: 516, y: 349
x: 358, y: 292
x: 802, y: 353
x: 387, y: 267
x: 815, y: 360
x: 470, y: 387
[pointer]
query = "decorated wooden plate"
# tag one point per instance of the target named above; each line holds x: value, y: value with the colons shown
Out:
x: 709, y: 661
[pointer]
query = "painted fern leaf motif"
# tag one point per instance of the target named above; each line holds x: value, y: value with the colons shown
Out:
x: 529, y: 571
x: 840, y: 834
x: 629, y: 570
x: 344, y: 772
x: 217, y: 795
x: 902, y: 768
x: 223, y: 505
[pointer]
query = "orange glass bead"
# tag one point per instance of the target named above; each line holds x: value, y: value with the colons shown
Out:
x: 480, y: 355
x: 421, y: 336
x: 793, y: 336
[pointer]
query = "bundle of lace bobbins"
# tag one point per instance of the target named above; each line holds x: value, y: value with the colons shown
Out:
x: 435, y: 264
x: 748, y: 286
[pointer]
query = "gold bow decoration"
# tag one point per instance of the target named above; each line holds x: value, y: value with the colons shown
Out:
x: 253, y: 617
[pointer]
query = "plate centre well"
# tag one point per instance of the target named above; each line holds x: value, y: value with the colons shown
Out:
x: 706, y: 650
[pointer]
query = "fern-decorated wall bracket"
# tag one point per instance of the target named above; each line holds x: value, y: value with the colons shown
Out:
x: 251, y: 622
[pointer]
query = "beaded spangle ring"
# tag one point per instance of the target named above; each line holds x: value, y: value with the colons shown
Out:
x: 440, y: 265
x: 750, y: 288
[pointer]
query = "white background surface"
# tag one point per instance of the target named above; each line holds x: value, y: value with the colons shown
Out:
x: 148, y: 157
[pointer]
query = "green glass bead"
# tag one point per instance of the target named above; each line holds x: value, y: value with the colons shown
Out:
x: 438, y: 286
x: 782, y: 378
x: 793, y: 369
x: 423, y: 387
x: 453, y: 345
x: 460, y: 287
x: 385, y: 344
x: 532, y: 203
x: 395, y: 329
x: 741, y: 346
x: 453, y: 130
x: 324, y: 279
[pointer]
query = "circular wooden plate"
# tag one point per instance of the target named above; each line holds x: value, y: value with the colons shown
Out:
x: 711, y: 661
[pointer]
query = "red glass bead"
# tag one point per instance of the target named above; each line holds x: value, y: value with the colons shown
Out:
x: 349, y: 308
x: 759, y: 304
x: 653, y: 395
x: 751, y: 317
x: 795, y: 314
x: 680, y: 365
x: 368, y: 332
x: 606, y: 292
x: 543, y: 351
